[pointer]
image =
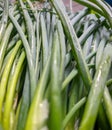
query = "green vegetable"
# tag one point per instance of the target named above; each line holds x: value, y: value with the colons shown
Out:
x: 96, y: 92
x: 5, y: 76
x: 55, y: 115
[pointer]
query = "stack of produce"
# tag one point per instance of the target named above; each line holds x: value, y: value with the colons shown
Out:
x: 55, y: 66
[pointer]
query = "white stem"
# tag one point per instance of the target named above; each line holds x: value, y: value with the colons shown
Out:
x: 71, y: 9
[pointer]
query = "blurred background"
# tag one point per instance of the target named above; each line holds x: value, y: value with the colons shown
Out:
x: 75, y: 6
